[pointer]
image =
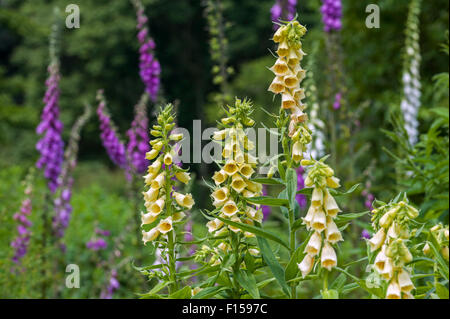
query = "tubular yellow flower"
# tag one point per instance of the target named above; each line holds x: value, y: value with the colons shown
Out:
x: 317, y: 197
x: 332, y: 232
x: 159, y: 181
x: 404, y: 281
x: 151, y: 195
x: 148, y: 218
x: 184, y: 200
x: 230, y: 208
x: 393, y: 291
x: 377, y: 240
x: 314, y: 244
x: 150, y: 235
x: 214, y: 225
x: 237, y: 183
x: 331, y: 206
x: 183, y: 177
x: 219, y: 177
x: 328, y: 257
x: 306, y: 265
x: 230, y: 168
x: 168, y: 159
x: 319, y: 220
x: 246, y: 170
x: 165, y: 225
x: 221, y: 194
x: 157, y: 207
x: 151, y: 154
x: 178, y: 216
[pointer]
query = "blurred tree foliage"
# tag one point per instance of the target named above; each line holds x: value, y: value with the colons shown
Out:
x: 103, y: 53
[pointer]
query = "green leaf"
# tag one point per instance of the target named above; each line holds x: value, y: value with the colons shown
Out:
x: 183, y: 293
x: 339, y: 283
x: 297, y: 224
x: 306, y: 191
x: 158, y: 287
x: 344, y: 218
x: 441, y: 291
x: 274, y: 265
x: 336, y: 193
x: 255, y: 230
x: 281, y: 170
x: 292, y: 268
x: 209, y: 292
x: 268, y: 181
x: 248, y: 282
x: 291, y: 187
x: 269, y: 201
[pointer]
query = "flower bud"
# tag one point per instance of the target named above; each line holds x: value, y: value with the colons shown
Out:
x: 183, y: 177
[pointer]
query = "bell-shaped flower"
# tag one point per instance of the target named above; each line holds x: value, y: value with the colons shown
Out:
x: 219, y: 135
x: 150, y: 235
x: 330, y: 205
x: 332, y: 232
x: 319, y: 220
x: 283, y: 49
x: 238, y: 183
x: 230, y: 168
x: 377, y: 240
x: 287, y: 101
x: 297, y: 152
x: 151, y: 195
x: 159, y: 181
x: 184, y: 200
x: 157, y: 207
x: 393, y: 290
x: 246, y: 170
x: 214, y: 225
x: 148, y: 218
x: 165, y: 225
x: 309, y: 216
x: 380, y: 261
x: 168, y: 159
x: 404, y: 281
x: 183, y: 177
x: 314, y: 244
x: 298, y: 116
x: 306, y: 265
x: 230, y: 208
x: 317, y: 197
x: 254, y: 187
x: 291, y: 80
x: 333, y: 182
x: 328, y: 257
x: 219, y: 177
x: 280, y: 67
x: 178, y: 216
x: 220, y: 194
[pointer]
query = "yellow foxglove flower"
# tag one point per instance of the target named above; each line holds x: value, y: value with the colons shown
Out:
x: 219, y: 135
x: 232, y: 228
x: 230, y: 168
x: 393, y: 291
x: 148, y: 218
x: 309, y: 216
x: 151, y: 195
x: 298, y: 116
x: 314, y: 244
x: 168, y: 159
x: 404, y: 281
x: 219, y: 177
x: 214, y: 225
x: 332, y: 232
x: 287, y: 101
x: 380, y: 261
x: 377, y: 240
x: 317, y: 197
x: 157, y: 207
x: 238, y: 183
x: 297, y: 152
x: 158, y: 146
x: 328, y: 257
x: 176, y: 137
x: 151, y: 154
x: 330, y: 205
x: 388, y: 217
x: 306, y: 265
x: 183, y: 177
x: 229, y: 209
x: 184, y: 200
x: 178, y: 216
x: 388, y: 270
x: 291, y: 80
x: 283, y: 49
x: 150, y: 235
x: 319, y: 220
x: 155, y: 167
x: 221, y: 194
x: 333, y: 182
x: 280, y: 67
x: 165, y: 225
x: 246, y: 170
x: 159, y: 181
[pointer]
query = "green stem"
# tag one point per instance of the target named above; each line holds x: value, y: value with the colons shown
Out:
x: 325, y: 281
x: 292, y: 245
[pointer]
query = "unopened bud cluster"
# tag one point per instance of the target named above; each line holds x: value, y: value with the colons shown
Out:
x: 391, y: 221
x: 232, y: 181
x: 320, y: 217
x: 164, y: 205
x: 440, y: 234
x: 288, y: 76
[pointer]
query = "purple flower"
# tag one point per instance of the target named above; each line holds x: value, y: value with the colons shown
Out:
x: 331, y: 15
x: 97, y: 244
x: 114, y: 147
x: 337, y: 101
x: 113, y: 285
x: 21, y: 242
x: 301, y: 199
x: 148, y: 65
x: 265, y: 209
x: 284, y: 13
x: 365, y: 234
x: 138, y: 139
x: 51, y: 145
